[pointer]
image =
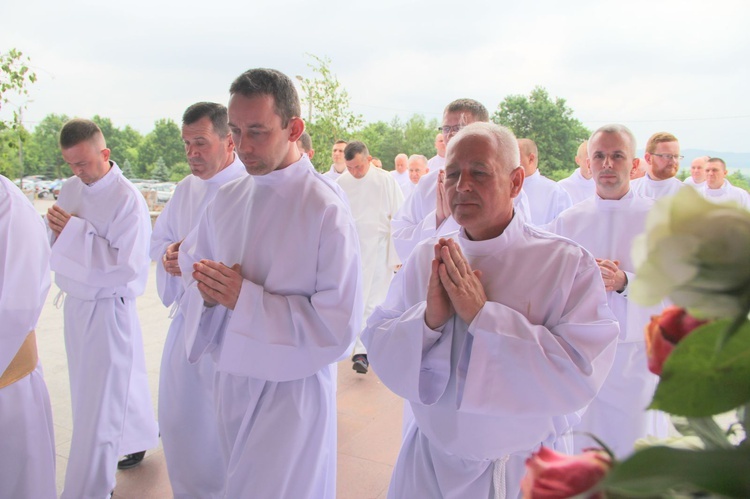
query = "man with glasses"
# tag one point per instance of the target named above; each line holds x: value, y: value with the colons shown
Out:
x: 662, y: 160
x: 425, y: 212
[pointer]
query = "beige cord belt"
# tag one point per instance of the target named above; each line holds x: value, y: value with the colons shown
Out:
x: 23, y: 363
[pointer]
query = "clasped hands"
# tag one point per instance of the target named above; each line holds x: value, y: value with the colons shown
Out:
x: 217, y: 283
x: 454, y: 288
x: 57, y: 219
x: 614, y: 278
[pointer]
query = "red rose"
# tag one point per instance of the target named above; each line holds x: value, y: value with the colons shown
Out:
x: 551, y: 475
x: 664, y: 332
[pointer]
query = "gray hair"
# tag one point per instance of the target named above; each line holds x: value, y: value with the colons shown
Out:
x: 418, y: 157
x: 620, y: 130
x: 506, y: 144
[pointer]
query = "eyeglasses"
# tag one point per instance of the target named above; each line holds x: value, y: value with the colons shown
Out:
x: 674, y: 157
x: 448, y: 129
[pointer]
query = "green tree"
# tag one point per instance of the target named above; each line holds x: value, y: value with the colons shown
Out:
x: 43, y: 150
x: 328, y: 116
x: 739, y: 180
x: 161, y: 172
x: 383, y: 140
x: 164, y: 141
x: 127, y: 169
x: 15, y: 78
x: 548, y: 123
x: 123, y: 144
x: 419, y: 136
x: 179, y: 171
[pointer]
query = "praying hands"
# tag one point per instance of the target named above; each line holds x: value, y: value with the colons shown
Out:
x: 57, y: 218
x: 614, y: 278
x: 217, y: 283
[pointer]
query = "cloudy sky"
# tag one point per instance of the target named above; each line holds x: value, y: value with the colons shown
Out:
x: 680, y: 66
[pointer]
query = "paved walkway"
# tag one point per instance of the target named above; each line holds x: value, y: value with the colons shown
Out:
x: 369, y: 415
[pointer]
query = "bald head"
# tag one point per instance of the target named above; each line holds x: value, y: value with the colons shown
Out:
x: 529, y: 156
x: 698, y: 169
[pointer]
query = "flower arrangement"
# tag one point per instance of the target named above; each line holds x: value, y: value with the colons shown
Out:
x: 697, y: 254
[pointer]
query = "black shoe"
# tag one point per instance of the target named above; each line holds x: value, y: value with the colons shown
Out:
x: 131, y: 460
x: 360, y: 363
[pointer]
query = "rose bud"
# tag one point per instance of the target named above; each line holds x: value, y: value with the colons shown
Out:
x: 664, y: 332
x: 551, y: 475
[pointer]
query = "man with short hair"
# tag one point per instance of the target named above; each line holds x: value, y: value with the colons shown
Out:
x: 640, y: 169
x: 425, y: 212
x: 339, y: 165
x: 304, y: 143
x: 374, y: 197
x: 100, y: 230
x: 546, y: 198
x: 437, y: 162
x: 417, y: 168
x: 400, y: 171
x: 275, y: 298
x: 27, y: 440
x: 470, y: 335
x: 662, y: 160
x: 187, y: 419
x: 697, y: 176
x: 718, y: 189
x: 579, y: 184
x: 606, y: 225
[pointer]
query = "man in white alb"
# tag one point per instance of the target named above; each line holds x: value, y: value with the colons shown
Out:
x: 275, y: 297
x: 606, y: 225
x: 27, y: 461
x: 189, y: 429
x: 374, y: 197
x: 546, y: 198
x: 100, y: 230
x: 662, y: 162
x: 339, y: 165
x: 718, y: 189
x: 305, y: 146
x: 400, y: 172
x: 417, y: 168
x: 493, y: 334
x: 579, y: 184
x: 425, y: 212
x: 437, y: 162
x: 697, y: 176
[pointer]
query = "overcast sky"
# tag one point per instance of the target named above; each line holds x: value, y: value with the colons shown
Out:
x: 679, y: 66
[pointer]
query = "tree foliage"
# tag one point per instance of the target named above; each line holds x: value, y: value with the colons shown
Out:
x: 161, y: 172
x: 328, y: 107
x: 548, y: 123
x: 164, y: 141
x: 15, y: 78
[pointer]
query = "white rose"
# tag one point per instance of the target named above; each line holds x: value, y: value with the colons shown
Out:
x: 695, y: 252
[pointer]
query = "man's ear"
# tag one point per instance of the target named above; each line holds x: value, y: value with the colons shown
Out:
x: 297, y: 127
x: 516, y: 181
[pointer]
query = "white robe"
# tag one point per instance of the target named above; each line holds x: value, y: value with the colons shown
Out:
x: 436, y: 163
x: 546, y: 199
x: 27, y: 443
x: 333, y: 174
x: 374, y: 200
x: 578, y: 187
x: 187, y: 418
x: 618, y: 415
x: 298, y: 312
x: 692, y: 183
x: 648, y: 188
x: 416, y: 220
x: 725, y: 194
x: 493, y: 391
x: 101, y: 262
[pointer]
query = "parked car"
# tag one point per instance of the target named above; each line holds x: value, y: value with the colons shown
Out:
x: 164, y: 191
x: 56, y: 189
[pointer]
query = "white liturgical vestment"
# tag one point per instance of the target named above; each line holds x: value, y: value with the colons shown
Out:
x: 546, y: 198
x: 416, y: 220
x: 617, y: 415
x: 656, y: 189
x: 692, y: 183
x: 299, y: 309
x: 578, y: 186
x: 726, y: 193
x: 436, y: 162
x: 486, y: 394
x: 333, y: 174
x: 101, y: 263
x: 187, y: 418
x: 27, y: 443
x: 374, y: 200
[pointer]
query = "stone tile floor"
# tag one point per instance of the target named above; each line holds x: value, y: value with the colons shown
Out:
x: 369, y: 415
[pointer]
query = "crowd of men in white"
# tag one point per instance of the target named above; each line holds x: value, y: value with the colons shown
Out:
x: 492, y: 299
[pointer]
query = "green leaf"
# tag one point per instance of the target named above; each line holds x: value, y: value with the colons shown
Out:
x: 698, y: 382
x: 658, y: 470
